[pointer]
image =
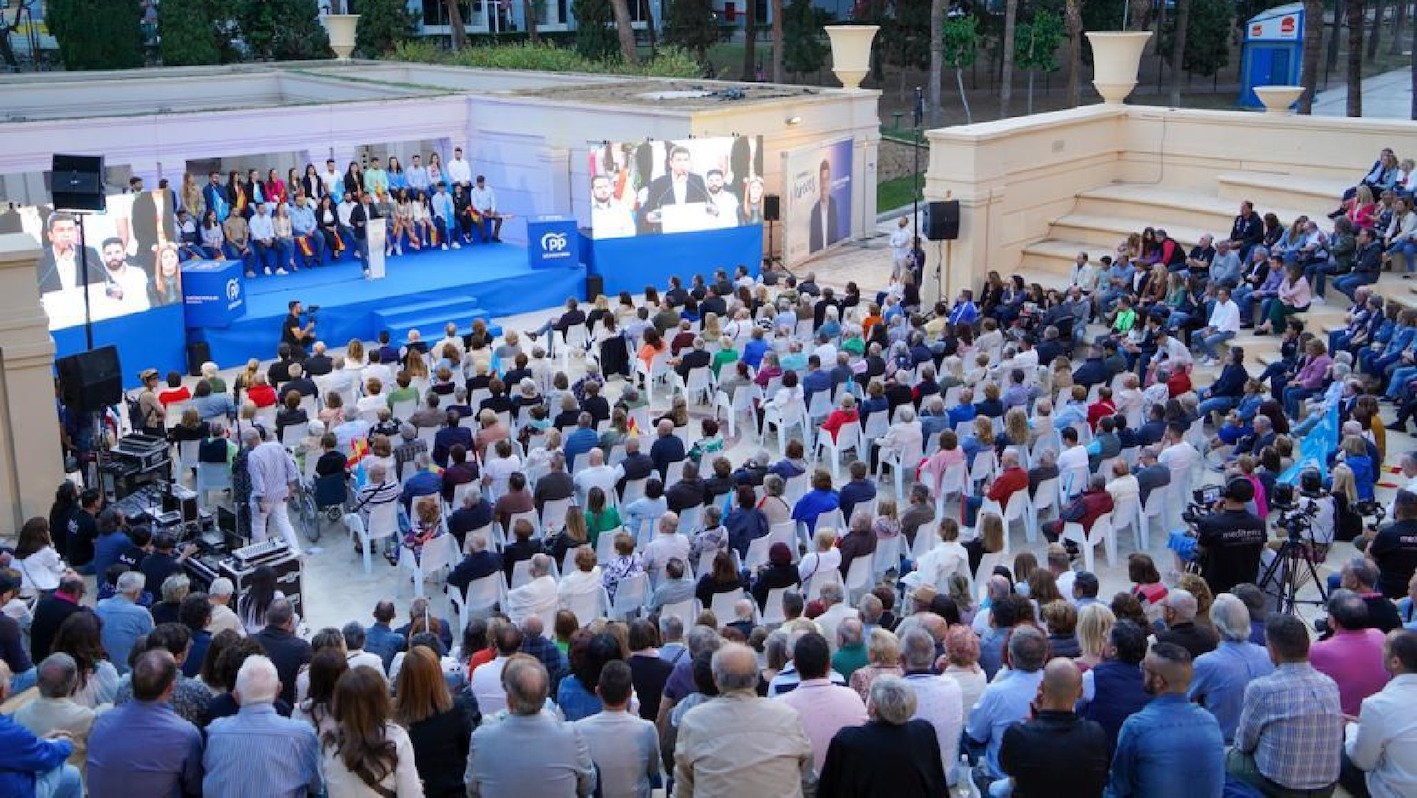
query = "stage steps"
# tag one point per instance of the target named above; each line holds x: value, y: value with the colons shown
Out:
x: 430, y: 317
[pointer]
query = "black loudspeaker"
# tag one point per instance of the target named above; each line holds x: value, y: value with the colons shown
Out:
x: 772, y: 208
x: 594, y: 286
x: 941, y: 220
x: 76, y: 183
x: 198, y: 352
x: 90, y: 382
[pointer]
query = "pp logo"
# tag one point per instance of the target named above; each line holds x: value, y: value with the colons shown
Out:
x: 233, y: 289
x: 553, y: 242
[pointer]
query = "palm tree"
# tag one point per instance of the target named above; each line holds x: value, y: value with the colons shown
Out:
x: 1072, y: 9
x: 778, y: 76
x: 1178, y: 49
x: 750, y: 40
x: 937, y: 56
x: 621, y: 9
x: 529, y: 11
x: 1006, y: 85
x: 1313, y: 43
x: 1354, y: 71
x: 455, y: 22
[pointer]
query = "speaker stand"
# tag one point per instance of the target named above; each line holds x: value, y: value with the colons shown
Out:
x: 84, y: 266
x: 769, y: 257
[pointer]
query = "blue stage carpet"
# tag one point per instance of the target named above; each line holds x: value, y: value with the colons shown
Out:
x: 497, y: 277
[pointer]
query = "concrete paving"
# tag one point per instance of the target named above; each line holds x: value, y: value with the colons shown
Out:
x: 1385, y: 96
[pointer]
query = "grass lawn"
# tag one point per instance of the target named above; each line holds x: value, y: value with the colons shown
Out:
x: 893, y: 194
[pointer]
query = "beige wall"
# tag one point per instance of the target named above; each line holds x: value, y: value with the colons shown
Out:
x: 30, y: 465
x: 1015, y: 176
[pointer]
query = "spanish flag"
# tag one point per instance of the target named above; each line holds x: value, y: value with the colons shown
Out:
x: 304, y: 243
x: 357, y: 450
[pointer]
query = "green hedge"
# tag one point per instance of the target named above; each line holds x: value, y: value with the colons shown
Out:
x: 669, y: 62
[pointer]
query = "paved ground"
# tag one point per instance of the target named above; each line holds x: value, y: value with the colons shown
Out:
x: 1385, y: 96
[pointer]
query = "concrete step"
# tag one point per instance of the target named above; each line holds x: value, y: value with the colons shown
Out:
x: 1056, y: 257
x: 1106, y: 231
x: 1277, y: 189
x: 1168, y: 207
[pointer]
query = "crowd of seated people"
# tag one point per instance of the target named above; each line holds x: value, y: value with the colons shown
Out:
x: 588, y: 509
x: 276, y: 224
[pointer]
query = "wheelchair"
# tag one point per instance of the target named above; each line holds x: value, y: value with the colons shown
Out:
x: 321, y: 501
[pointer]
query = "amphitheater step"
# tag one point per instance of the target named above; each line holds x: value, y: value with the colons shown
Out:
x: 1106, y: 231
x: 1173, y: 209
x: 430, y: 317
x: 1266, y: 189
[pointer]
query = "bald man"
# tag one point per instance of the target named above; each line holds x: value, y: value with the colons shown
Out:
x: 1171, y: 747
x: 1056, y: 753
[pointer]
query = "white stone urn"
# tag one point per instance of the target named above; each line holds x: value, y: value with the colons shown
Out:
x: 851, y: 52
x: 1278, y: 99
x: 341, y: 28
x: 1116, y: 56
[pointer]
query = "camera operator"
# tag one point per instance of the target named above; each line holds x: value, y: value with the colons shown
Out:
x: 1394, y: 547
x: 296, y: 335
x: 1231, y: 538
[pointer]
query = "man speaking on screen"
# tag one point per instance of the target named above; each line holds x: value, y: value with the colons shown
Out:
x: 679, y: 187
x: 824, y: 219
x: 608, y: 218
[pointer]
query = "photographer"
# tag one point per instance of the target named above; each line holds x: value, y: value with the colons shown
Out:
x: 1394, y: 547
x: 295, y: 335
x: 1231, y: 539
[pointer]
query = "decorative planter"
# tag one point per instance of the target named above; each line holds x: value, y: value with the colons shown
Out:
x: 340, y: 28
x: 851, y: 52
x: 1116, y: 55
x: 1278, y: 99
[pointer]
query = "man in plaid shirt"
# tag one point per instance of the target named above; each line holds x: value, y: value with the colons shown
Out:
x: 409, y: 446
x: 1290, y: 737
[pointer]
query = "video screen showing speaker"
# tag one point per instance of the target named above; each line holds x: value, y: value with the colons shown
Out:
x: 128, y: 260
x: 654, y: 187
x: 817, y: 195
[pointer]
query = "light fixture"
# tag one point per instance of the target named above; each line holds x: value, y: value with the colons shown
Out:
x: 794, y: 120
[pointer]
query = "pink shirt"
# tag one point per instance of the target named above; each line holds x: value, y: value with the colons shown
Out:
x: 825, y: 709
x: 1354, y: 659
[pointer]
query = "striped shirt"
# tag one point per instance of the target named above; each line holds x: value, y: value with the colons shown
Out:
x: 257, y: 752
x: 1293, y: 724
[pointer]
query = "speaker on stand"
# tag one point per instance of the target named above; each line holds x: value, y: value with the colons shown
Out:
x: 76, y: 186
x: 772, y: 213
x: 941, y: 223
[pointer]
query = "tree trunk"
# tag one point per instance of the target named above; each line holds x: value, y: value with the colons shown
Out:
x: 1395, y: 47
x: 969, y: 117
x: 529, y: 11
x: 455, y: 22
x: 750, y: 40
x: 1073, y: 11
x: 621, y: 10
x: 1375, y: 33
x: 777, y: 75
x: 1178, y: 49
x: 1006, y: 78
x: 651, y: 30
x: 1413, y: 92
x: 1313, y: 44
x: 937, y: 58
x: 1139, y: 12
x: 1354, y: 71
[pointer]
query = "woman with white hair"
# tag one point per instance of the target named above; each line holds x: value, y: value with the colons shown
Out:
x: 904, y: 439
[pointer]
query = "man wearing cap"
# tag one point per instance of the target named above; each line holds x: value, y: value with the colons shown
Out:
x: 1232, y: 539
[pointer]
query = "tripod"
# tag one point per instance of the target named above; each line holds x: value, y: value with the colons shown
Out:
x: 1289, y: 565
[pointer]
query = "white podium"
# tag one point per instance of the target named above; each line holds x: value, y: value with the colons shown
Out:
x: 378, y: 236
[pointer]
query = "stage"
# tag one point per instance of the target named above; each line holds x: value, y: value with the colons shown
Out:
x: 422, y: 291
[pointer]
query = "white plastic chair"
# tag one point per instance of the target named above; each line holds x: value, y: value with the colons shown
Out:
x: 986, y: 465
x: 700, y: 384
x: 772, y: 613
x: 722, y: 605
x: 899, y: 463
x: 589, y: 606
x: 740, y: 403
x: 1155, y: 508
x: 887, y: 555
x: 859, y: 577
x: 630, y: 596
x: 1101, y: 532
x: 686, y: 611
x: 553, y: 515
x: 847, y: 437
x: 210, y: 477
x: 783, y: 419
x: 1126, y: 514
x: 1046, y: 498
x: 484, y: 594
x: 987, y: 563
x: 758, y: 552
x: 383, y: 523
x: 438, y: 554
x: 1019, y: 508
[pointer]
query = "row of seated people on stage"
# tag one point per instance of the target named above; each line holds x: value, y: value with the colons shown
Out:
x: 906, y: 364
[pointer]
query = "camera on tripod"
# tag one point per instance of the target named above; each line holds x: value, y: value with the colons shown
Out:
x: 1203, y: 501
x: 1294, y: 519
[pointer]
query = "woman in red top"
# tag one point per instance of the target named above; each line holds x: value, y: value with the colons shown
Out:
x: 841, y: 416
x: 261, y: 393
x: 1362, y: 210
x: 1146, y: 584
x: 176, y: 391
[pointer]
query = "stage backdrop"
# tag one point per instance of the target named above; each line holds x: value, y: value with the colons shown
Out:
x: 633, y: 186
x: 816, y: 212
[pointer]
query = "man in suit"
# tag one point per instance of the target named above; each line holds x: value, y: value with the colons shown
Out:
x: 824, y: 221
x: 1151, y: 474
x: 667, y: 448
x: 62, y: 266
x: 448, y: 437
x: 698, y: 357
x: 678, y: 187
x: 287, y: 651
x: 636, y: 465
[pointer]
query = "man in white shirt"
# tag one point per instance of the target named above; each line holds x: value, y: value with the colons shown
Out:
x: 939, y: 699
x: 263, y: 238
x: 126, y: 285
x: 667, y: 545
x: 487, y: 678
x: 1179, y: 455
x: 901, y: 239
x: 535, y: 598
x: 484, y: 202
x: 595, y: 475
x: 833, y: 596
x: 459, y: 171
x: 417, y: 176
x: 1380, y: 749
x: 1171, y: 350
x: 1071, y: 460
x: 344, y: 210
x: 724, y: 202
x: 273, y: 475
x: 608, y: 218
x: 1224, y: 324
x: 330, y: 177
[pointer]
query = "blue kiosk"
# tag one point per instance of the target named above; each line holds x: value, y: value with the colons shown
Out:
x: 1274, y: 42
